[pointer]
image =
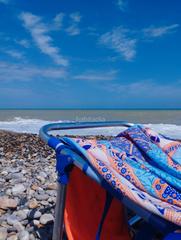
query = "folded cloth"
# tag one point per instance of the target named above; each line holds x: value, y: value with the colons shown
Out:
x: 142, y: 165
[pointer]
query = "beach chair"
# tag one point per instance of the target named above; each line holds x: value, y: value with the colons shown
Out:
x: 162, y: 212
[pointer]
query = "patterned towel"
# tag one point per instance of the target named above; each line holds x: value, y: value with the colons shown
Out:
x: 144, y: 166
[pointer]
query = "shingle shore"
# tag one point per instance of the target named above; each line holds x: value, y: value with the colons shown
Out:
x: 27, y: 187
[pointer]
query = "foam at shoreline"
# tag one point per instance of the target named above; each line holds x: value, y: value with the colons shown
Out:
x: 23, y: 125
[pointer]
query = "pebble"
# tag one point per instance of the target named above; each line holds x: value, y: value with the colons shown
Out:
x: 52, y: 186
x: 12, y: 219
x: 37, y: 214
x: 33, y: 203
x: 43, y: 174
x: 13, y: 237
x: 18, y: 189
x: 24, y: 235
x: 18, y: 226
x: 36, y: 222
x: 42, y: 197
x: 41, y: 179
x: 22, y: 214
x: 17, y: 175
x: 32, y: 237
x: 6, y: 202
x: 46, y: 218
x: 3, y: 233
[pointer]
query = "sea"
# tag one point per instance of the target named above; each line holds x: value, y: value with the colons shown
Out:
x: 167, y: 122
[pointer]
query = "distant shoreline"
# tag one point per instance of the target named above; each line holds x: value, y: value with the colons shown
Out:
x: 94, y: 109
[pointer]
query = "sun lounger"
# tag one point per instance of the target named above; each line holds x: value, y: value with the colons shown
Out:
x: 139, y: 167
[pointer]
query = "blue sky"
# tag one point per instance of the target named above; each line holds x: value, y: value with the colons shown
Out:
x: 90, y: 54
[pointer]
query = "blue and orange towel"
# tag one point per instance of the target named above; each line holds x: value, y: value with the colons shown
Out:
x: 142, y: 165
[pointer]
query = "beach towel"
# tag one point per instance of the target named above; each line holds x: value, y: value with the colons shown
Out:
x: 142, y: 165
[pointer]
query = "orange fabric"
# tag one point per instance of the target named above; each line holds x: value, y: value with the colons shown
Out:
x: 84, y: 207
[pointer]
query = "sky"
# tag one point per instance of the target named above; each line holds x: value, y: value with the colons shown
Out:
x: 90, y: 54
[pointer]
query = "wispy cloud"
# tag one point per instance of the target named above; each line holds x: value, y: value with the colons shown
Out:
x: 124, y: 41
x: 41, y: 36
x: 144, y: 89
x: 122, y: 4
x: 24, y: 43
x: 119, y: 40
x: 15, y: 92
x: 58, y: 20
x: 154, y: 32
x: 22, y: 72
x: 74, y: 29
x: 97, y: 76
x: 15, y: 54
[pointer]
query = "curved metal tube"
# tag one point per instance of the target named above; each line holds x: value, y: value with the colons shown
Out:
x: 44, y: 131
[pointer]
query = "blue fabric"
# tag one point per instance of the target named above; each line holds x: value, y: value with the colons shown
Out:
x: 173, y: 236
x: 143, y: 166
x: 108, y: 202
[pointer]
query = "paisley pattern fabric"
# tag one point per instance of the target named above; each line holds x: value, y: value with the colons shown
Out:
x: 142, y: 165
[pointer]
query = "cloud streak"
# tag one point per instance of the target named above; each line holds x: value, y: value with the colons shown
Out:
x: 73, y: 29
x: 119, y: 40
x: 155, y: 32
x: 23, y: 42
x: 147, y: 89
x: 58, y: 20
x: 122, y: 4
x: 124, y: 41
x: 41, y: 36
x: 95, y: 76
x: 15, y: 54
x: 22, y: 72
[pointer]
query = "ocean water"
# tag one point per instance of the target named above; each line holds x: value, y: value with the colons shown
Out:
x: 167, y: 122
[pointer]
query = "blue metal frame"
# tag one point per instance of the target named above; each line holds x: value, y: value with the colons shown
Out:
x: 65, y: 147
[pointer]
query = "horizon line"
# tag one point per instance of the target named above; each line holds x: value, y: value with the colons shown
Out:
x: 41, y: 108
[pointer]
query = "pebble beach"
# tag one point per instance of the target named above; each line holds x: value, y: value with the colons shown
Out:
x: 27, y: 187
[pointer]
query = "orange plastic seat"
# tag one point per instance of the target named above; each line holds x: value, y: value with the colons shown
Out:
x: 84, y: 207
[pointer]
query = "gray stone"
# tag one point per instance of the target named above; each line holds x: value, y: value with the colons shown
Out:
x: 44, y: 203
x: 43, y: 174
x: 24, y: 222
x: 36, y: 222
x: 37, y: 214
x: 18, y: 226
x: 46, y: 218
x: 17, y: 175
x: 13, y: 237
x: 8, y: 192
x: 32, y: 237
x: 3, y: 233
x: 24, y: 235
x: 18, y: 189
x: 21, y: 214
x: 12, y: 219
x: 41, y: 197
x: 41, y: 179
